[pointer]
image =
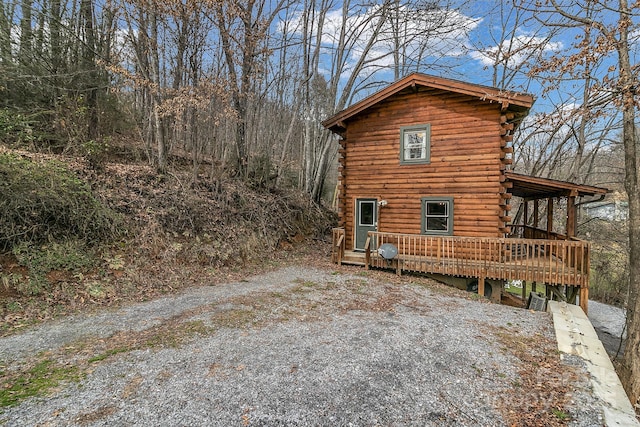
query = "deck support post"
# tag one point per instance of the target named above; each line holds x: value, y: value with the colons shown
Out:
x: 496, y: 292
x: 584, y: 299
x: 481, y: 286
x: 524, y: 291
x: 534, y: 285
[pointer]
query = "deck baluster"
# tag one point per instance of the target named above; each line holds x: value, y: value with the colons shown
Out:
x: 551, y: 262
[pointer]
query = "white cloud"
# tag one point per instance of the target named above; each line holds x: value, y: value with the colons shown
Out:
x: 418, y: 34
x: 516, y: 51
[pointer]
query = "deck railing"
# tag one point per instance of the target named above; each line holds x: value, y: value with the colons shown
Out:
x: 555, y: 262
x: 528, y: 232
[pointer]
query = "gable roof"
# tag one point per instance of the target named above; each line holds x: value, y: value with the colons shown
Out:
x: 511, y: 101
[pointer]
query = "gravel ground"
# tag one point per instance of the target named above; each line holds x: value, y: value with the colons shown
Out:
x: 299, y: 346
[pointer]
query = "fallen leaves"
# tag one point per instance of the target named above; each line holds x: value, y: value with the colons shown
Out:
x: 543, y: 389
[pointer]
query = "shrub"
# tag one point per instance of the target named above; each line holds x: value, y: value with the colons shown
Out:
x: 46, y: 202
x: 70, y: 256
x: 17, y: 129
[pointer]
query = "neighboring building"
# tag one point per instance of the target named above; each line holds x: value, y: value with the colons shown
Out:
x: 615, y: 210
x: 424, y: 167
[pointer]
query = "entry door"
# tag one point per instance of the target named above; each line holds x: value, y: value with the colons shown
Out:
x: 366, y: 220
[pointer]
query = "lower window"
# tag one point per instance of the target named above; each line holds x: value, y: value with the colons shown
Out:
x: 437, y: 215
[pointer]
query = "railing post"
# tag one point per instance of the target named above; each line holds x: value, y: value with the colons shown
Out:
x: 401, y: 250
x: 337, y: 245
x: 367, y: 252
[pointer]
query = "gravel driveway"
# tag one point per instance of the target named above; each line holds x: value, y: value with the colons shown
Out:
x: 304, y: 346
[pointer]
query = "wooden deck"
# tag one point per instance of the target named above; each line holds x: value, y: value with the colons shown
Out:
x: 555, y: 263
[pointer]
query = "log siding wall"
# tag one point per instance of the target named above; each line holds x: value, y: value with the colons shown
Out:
x: 469, y: 153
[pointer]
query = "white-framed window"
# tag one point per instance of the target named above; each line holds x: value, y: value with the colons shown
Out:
x: 437, y: 215
x: 415, y: 144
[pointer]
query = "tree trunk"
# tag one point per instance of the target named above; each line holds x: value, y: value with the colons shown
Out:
x: 285, y: 150
x: 24, y: 53
x: 5, y: 35
x: 307, y: 151
x: 323, y: 167
x: 89, y: 65
x: 631, y: 363
x: 157, y: 97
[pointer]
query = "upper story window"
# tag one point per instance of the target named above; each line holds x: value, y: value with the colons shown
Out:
x: 415, y: 142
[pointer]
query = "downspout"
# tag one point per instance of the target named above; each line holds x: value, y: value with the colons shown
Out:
x: 586, y: 202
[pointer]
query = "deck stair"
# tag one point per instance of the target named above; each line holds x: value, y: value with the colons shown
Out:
x: 353, y: 258
x: 519, y: 250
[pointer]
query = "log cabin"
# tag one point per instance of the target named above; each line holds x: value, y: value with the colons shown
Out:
x: 425, y: 185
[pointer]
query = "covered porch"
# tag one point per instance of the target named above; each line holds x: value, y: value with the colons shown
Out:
x: 529, y: 253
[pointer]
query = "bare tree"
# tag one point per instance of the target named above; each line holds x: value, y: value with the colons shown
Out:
x: 7, y: 14
x: 510, y: 46
x: 606, y: 29
x: 143, y: 20
x: 243, y: 27
x: 348, y: 47
x: 26, y: 33
x: 424, y: 35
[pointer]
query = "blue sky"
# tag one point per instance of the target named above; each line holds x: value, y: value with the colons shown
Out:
x: 457, y: 44
x: 467, y: 50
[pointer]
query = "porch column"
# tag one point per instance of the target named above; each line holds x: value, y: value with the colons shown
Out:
x: 571, y: 214
x: 549, y: 217
x: 536, y: 213
x: 525, y: 222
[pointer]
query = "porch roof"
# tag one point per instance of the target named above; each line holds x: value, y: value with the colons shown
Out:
x: 531, y: 187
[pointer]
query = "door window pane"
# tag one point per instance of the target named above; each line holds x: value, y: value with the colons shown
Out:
x: 367, y: 213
